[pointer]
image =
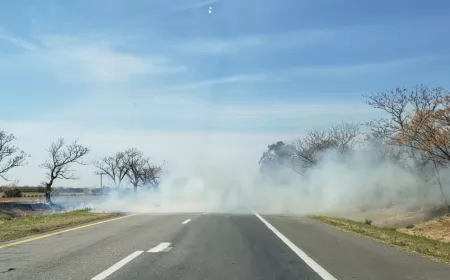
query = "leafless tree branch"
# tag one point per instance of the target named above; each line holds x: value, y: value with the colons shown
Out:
x: 62, y: 156
x: 10, y: 155
x: 115, y: 167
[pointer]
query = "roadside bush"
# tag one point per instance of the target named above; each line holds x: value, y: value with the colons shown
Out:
x: 40, y: 189
x: 13, y: 192
x: 24, y: 189
x: 368, y: 221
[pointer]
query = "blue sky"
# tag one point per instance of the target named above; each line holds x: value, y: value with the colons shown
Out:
x: 245, y: 53
x: 251, y: 66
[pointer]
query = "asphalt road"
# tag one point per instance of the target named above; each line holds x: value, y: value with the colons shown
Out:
x: 212, y: 246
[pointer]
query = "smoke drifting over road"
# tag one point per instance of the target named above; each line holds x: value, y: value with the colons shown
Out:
x: 337, y: 184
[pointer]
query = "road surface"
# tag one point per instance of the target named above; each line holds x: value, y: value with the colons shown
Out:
x: 212, y: 246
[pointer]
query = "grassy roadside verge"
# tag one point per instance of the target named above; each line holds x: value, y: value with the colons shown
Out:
x: 17, y: 227
x: 437, y: 250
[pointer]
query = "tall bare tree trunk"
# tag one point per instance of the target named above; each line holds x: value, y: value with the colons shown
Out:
x: 48, y: 192
x: 440, y: 188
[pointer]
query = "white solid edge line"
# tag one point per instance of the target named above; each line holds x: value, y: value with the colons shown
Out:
x: 160, y: 247
x: 117, y: 266
x: 310, y: 262
x: 185, y: 222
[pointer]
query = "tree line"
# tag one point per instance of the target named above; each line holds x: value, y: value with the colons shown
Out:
x: 414, y: 133
x: 131, y: 165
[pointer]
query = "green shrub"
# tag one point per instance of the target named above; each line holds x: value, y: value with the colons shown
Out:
x: 13, y: 192
x: 368, y: 221
x: 40, y: 189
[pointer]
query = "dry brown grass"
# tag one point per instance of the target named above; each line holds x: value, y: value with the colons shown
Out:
x: 432, y: 248
x: 437, y: 229
x: 395, y: 216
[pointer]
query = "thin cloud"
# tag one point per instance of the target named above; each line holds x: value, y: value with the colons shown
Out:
x: 23, y: 44
x: 168, y: 112
x: 347, y: 69
x: 99, y: 61
x: 245, y: 78
x: 337, y: 37
x: 221, y: 45
x: 89, y: 59
x: 266, y: 41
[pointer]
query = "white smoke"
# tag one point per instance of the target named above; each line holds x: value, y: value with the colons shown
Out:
x: 232, y: 183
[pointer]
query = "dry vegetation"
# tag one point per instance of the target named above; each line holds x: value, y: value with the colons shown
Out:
x: 436, y: 229
x: 414, y: 136
x: 434, y: 249
x: 16, y: 227
x: 399, y: 216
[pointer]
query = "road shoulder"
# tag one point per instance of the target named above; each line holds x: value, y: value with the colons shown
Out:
x: 349, y: 256
x: 433, y: 249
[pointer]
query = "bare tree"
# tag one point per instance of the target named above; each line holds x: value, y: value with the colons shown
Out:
x: 140, y: 171
x: 394, y: 103
x: 115, y: 167
x: 341, y: 138
x: 136, y: 162
x: 151, y: 175
x: 401, y: 105
x: 10, y: 155
x: 306, y: 151
x: 418, y: 119
x: 62, y: 156
x: 345, y: 136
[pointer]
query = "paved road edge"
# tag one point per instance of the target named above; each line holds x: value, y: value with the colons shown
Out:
x: 302, y: 255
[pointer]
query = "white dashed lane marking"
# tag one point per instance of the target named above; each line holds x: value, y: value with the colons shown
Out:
x: 117, y: 266
x: 163, y: 246
x: 185, y: 222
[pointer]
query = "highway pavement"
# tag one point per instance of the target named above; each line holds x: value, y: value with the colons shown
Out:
x: 211, y: 246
